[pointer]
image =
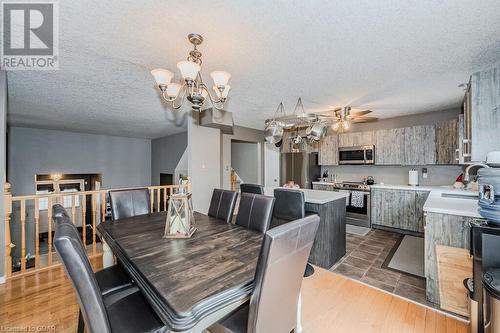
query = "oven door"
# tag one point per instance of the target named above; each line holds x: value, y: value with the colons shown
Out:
x: 358, y: 213
x: 352, y: 155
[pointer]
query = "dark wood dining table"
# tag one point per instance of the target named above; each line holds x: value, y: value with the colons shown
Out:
x: 186, y: 280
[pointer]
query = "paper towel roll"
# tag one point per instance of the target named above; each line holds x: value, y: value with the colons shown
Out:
x: 413, y: 177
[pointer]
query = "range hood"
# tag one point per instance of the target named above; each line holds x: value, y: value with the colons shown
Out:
x: 220, y: 119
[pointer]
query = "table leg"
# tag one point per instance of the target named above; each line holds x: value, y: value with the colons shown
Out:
x: 298, y: 328
x: 107, y: 255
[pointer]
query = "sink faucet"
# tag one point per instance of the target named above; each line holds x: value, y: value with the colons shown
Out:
x: 466, y: 174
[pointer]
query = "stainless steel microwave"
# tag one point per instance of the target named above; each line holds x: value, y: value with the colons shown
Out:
x: 357, y: 155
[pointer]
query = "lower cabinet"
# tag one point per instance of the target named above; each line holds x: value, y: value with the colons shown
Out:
x: 399, y: 209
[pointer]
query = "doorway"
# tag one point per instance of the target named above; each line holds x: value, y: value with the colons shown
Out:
x: 246, y: 163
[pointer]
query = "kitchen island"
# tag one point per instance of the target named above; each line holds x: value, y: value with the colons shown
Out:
x: 330, y: 242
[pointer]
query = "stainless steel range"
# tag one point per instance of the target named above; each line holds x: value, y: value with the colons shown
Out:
x: 359, y: 203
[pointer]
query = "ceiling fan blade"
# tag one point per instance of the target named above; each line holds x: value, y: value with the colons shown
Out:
x: 328, y: 111
x: 359, y: 113
x: 364, y: 120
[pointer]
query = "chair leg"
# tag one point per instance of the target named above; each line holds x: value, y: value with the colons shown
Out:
x: 81, y: 324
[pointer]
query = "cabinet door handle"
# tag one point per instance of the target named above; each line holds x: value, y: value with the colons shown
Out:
x: 457, y: 154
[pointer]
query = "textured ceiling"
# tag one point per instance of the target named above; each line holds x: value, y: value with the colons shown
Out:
x: 394, y: 57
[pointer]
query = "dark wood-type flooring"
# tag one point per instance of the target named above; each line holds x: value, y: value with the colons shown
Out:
x: 363, y: 262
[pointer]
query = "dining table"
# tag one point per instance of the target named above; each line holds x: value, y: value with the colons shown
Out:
x: 190, y: 283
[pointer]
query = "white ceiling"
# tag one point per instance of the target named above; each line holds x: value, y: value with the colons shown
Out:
x: 394, y: 57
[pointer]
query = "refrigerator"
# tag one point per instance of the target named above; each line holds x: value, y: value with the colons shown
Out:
x: 301, y: 167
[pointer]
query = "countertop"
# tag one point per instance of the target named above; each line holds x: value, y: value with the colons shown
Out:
x: 436, y: 203
x: 314, y: 196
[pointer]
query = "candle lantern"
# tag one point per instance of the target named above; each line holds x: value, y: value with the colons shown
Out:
x: 180, y: 219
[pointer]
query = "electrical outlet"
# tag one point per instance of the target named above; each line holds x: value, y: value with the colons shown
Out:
x: 424, y: 173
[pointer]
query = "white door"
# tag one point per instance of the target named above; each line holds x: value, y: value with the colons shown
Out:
x: 271, y: 165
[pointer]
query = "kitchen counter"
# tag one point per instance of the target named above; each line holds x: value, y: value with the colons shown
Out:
x: 314, y: 196
x: 412, y: 188
x: 466, y: 206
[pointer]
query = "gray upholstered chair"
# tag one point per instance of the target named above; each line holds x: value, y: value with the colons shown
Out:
x: 255, y: 211
x: 290, y: 205
x: 252, y: 188
x: 129, y: 312
x: 128, y: 203
x: 278, y: 279
x: 222, y: 204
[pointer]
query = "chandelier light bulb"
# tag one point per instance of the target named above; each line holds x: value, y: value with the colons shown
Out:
x: 189, y: 70
x: 220, y: 78
x: 162, y: 76
x: 173, y: 90
x: 224, y: 93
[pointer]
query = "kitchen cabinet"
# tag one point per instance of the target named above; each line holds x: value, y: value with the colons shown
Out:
x: 286, y: 146
x: 389, y: 146
x: 328, y: 150
x: 447, y: 142
x: 443, y: 230
x: 398, y: 209
x: 419, y: 145
x: 357, y: 139
x: 481, y: 115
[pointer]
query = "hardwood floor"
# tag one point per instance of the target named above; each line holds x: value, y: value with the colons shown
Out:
x: 331, y: 303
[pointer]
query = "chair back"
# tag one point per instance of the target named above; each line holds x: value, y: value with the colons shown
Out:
x: 74, y: 259
x: 278, y: 277
x: 252, y: 188
x: 255, y: 211
x: 128, y: 203
x: 59, y: 214
x: 222, y: 204
x: 290, y: 204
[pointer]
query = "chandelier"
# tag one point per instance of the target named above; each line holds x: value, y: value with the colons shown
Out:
x: 192, y: 88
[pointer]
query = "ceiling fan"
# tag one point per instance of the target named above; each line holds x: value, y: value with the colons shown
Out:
x: 342, y: 117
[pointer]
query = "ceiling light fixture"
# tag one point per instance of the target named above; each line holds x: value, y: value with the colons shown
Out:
x: 193, y: 89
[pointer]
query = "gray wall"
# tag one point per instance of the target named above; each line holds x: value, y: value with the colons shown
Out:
x: 123, y: 162
x: 240, y: 134
x: 3, y: 114
x: 437, y: 175
x: 245, y: 161
x: 165, y: 155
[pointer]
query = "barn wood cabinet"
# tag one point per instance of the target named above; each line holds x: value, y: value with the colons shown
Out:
x: 357, y: 139
x: 447, y: 142
x: 481, y: 116
x: 328, y: 150
x: 398, y: 209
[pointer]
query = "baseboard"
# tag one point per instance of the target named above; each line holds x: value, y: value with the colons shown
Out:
x: 2, y: 279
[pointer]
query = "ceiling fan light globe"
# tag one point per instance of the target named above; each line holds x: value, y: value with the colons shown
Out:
x: 189, y: 70
x: 162, y: 76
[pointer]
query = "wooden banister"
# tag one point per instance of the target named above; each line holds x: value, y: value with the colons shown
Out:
x: 31, y: 211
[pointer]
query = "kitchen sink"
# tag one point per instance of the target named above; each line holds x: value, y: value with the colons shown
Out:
x: 467, y: 196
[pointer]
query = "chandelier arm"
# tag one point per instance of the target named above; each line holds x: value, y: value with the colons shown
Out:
x: 183, y: 89
x: 215, y: 102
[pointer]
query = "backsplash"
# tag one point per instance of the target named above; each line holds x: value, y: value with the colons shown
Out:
x: 436, y: 174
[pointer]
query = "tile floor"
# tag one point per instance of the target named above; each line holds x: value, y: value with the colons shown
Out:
x: 363, y: 261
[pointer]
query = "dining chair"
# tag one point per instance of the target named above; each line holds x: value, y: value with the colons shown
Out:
x: 222, y: 204
x: 290, y: 205
x: 128, y: 203
x: 109, y: 279
x: 252, y: 188
x: 278, y: 279
x: 130, y: 312
x: 255, y: 211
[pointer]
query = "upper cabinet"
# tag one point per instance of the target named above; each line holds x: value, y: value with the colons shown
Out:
x: 328, y: 150
x: 389, y: 146
x: 420, y: 145
x: 357, y: 139
x: 447, y: 142
x: 481, y: 116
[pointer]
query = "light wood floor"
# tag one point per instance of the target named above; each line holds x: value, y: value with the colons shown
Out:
x: 331, y: 303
